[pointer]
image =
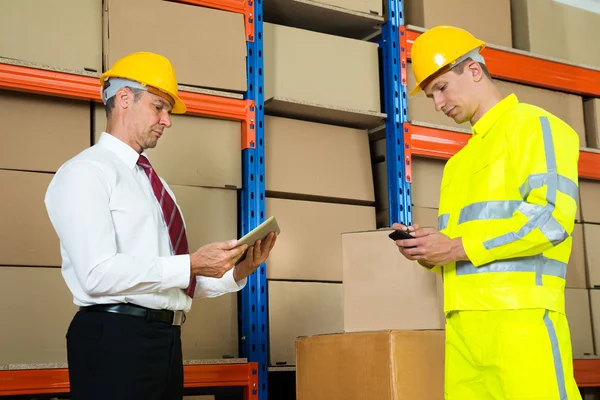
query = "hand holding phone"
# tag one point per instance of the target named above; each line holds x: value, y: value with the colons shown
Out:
x: 400, y: 235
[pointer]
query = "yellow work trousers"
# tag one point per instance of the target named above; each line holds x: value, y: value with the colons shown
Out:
x: 509, y: 355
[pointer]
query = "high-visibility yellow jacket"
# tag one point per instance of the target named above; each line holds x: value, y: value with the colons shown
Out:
x: 511, y: 194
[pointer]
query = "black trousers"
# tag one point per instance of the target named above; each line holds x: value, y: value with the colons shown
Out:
x: 122, y: 357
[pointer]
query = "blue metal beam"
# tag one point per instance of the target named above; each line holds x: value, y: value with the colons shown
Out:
x: 399, y: 197
x: 253, y: 308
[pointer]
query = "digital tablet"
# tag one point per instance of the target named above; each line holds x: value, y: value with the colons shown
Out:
x: 260, y: 232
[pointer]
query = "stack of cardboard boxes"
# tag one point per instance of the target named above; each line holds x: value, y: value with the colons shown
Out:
x: 321, y: 97
x: 198, y: 157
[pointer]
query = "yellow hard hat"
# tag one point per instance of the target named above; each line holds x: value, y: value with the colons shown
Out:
x: 149, y: 69
x: 439, y: 47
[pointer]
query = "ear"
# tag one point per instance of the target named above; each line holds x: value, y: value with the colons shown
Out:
x: 475, y: 70
x: 123, y: 98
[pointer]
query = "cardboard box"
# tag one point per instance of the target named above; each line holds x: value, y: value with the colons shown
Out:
x: 553, y: 29
x: 384, y: 290
x: 210, y: 214
x: 55, y: 34
x: 426, y: 181
x: 591, y: 109
x: 28, y: 141
x: 310, y: 244
x: 591, y: 234
x: 492, y: 26
x: 349, y: 18
x: 195, y: 151
x: 40, y: 308
x: 26, y: 233
x: 373, y: 7
x: 307, y: 76
x: 576, y: 269
x: 392, y: 365
x: 338, y: 156
x: 424, y: 217
x: 207, y: 47
x: 589, y: 198
x: 577, y: 307
x: 210, y: 330
x: 566, y: 106
x: 299, y: 309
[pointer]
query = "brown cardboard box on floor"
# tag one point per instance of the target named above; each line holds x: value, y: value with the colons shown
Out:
x: 207, y: 47
x: 40, y: 307
x: 40, y: 133
x: 389, y: 365
x: 553, y: 29
x: 59, y: 33
x: 488, y: 20
x: 310, y: 244
x: 26, y: 233
x: 194, y: 151
x: 300, y: 309
x: 577, y: 306
x: 338, y: 156
x: 307, y: 74
x: 384, y: 290
x: 592, y: 122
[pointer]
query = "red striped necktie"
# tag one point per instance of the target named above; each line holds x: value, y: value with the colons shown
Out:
x: 173, y: 219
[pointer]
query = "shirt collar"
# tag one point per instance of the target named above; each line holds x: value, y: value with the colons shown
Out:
x: 128, y: 155
x: 487, y: 121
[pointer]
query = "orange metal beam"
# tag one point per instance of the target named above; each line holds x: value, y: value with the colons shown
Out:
x: 587, y: 372
x: 32, y: 80
x: 534, y: 71
x: 245, y: 7
x: 49, y: 381
x: 438, y: 143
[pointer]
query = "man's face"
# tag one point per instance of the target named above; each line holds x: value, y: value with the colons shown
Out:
x: 149, y: 118
x: 451, y: 94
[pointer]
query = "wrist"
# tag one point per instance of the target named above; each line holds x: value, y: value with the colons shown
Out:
x: 458, y: 250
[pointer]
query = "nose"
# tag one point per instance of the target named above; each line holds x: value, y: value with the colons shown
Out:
x: 165, y: 119
x: 439, y: 102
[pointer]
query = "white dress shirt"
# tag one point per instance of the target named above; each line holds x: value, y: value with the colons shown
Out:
x: 114, y: 241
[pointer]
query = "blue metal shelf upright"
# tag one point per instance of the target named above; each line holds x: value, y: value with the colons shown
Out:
x: 253, y: 309
x: 395, y: 99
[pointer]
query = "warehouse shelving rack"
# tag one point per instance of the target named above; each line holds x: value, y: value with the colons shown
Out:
x: 405, y: 139
x: 249, y: 372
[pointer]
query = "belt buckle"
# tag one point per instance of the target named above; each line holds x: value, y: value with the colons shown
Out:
x: 178, y: 318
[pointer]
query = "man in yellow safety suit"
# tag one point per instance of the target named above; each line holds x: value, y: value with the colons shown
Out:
x: 506, y: 216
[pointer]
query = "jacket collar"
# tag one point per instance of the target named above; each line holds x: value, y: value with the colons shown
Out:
x: 489, y: 119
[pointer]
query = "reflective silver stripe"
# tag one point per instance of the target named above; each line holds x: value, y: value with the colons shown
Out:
x: 488, y: 210
x: 536, y: 181
x: 558, y: 365
x: 539, y: 264
x: 539, y: 217
x: 443, y: 221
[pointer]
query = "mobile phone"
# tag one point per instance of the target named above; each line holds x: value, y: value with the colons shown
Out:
x: 400, y: 235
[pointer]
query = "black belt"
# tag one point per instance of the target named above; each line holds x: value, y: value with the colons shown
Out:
x: 165, y: 316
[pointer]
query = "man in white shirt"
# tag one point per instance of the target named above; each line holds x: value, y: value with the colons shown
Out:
x: 124, y: 246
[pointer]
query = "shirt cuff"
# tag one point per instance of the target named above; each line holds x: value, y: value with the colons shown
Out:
x: 230, y: 283
x: 476, y: 252
x: 176, y: 271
